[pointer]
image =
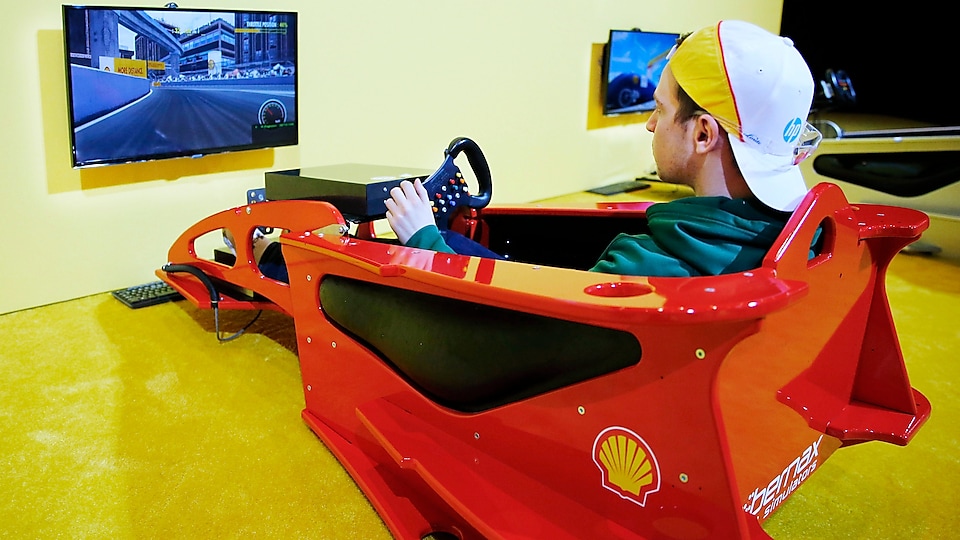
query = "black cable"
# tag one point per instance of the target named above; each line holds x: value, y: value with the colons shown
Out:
x: 214, y: 298
x: 236, y: 334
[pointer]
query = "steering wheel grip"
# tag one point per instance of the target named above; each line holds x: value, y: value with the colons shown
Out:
x: 447, y: 188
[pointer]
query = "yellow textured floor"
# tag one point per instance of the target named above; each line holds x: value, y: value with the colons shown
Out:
x: 120, y: 423
x: 130, y: 424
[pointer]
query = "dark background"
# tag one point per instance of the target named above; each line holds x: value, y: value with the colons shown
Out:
x: 900, y: 57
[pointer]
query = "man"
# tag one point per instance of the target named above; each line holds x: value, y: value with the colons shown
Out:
x: 730, y: 122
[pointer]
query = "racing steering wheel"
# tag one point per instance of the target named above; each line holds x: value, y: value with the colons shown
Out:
x: 447, y: 188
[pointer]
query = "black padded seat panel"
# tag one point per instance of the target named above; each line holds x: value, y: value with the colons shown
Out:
x: 468, y: 356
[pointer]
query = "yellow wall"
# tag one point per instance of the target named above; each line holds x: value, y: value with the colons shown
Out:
x: 381, y: 82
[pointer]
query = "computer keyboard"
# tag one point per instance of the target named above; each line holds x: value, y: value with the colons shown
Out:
x: 147, y: 294
x: 620, y: 187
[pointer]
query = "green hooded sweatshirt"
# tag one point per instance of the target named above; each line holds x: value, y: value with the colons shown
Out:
x: 696, y: 236
x: 693, y: 236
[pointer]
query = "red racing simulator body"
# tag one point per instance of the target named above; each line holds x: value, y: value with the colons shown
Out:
x: 528, y: 398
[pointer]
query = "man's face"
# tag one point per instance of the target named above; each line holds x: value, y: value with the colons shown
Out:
x: 671, y: 145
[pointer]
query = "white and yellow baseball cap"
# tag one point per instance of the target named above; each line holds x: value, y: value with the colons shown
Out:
x: 759, y: 88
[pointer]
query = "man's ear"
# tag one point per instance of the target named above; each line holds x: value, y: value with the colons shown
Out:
x: 707, y: 133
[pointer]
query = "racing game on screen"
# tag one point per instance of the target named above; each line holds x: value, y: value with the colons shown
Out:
x: 634, y: 62
x: 150, y: 84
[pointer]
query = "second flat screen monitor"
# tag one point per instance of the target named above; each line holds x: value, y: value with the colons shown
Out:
x: 633, y: 63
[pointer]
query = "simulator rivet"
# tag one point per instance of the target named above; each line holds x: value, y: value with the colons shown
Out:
x: 309, y: 388
x: 249, y: 210
x: 701, y: 354
x: 476, y: 435
x: 581, y: 410
x: 309, y: 277
x: 684, y: 478
x: 333, y: 344
x: 309, y: 339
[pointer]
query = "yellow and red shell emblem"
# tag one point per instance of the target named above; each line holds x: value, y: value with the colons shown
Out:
x: 627, y: 463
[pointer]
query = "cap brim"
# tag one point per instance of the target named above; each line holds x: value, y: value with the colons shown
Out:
x: 775, y: 180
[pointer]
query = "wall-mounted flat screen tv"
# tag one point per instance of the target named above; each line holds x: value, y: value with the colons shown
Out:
x: 632, y: 66
x: 146, y: 83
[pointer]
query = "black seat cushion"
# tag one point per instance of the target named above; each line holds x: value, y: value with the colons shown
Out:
x: 470, y: 356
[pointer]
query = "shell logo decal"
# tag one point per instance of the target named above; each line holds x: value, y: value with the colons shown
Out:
x: 627, y: 464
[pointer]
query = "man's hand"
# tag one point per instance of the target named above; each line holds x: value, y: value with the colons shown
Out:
x: 409, y: 209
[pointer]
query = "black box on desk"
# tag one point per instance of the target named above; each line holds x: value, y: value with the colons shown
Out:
x: 356, y: 189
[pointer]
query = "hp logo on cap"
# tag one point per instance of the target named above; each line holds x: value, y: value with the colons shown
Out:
x: 792, y: 130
